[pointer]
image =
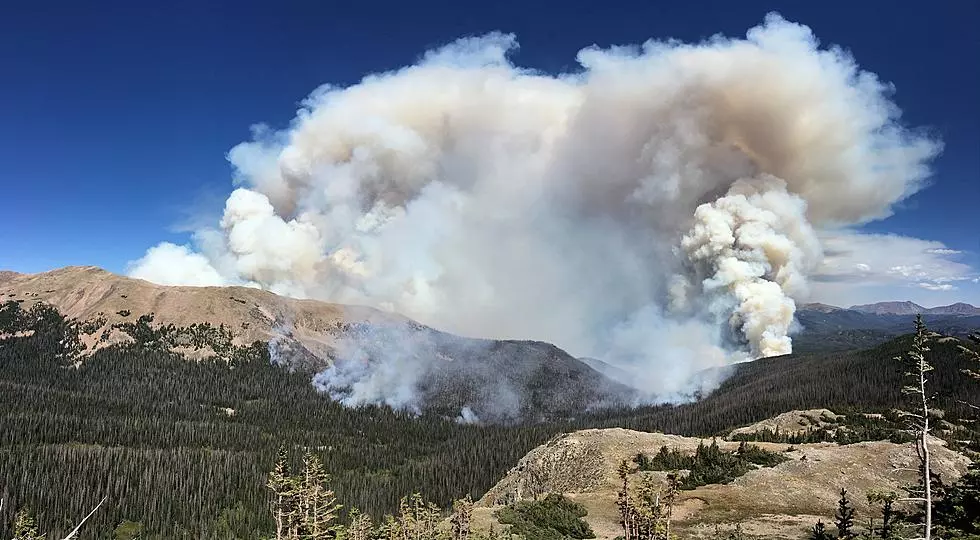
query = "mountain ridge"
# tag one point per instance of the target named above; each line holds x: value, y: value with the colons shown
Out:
x: 898, y: 308
x: 497, y: 380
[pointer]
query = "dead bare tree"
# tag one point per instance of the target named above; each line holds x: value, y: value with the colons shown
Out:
x: 916, y: 366
x: 74, y: 532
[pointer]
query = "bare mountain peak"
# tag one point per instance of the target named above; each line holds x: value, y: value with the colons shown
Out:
x: 959, y: 308
x: 911, y: 308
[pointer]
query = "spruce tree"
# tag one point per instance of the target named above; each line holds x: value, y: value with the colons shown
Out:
x: 359, y: 526
x: 318, y: 504
x: 819, y: 532
x: 959, y: 511
x: 283, y: 503
x: 844, y: 518
x: 888, y: 514
x: 973, y: 355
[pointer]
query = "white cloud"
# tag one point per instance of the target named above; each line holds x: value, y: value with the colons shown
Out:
x: 861, y: 267
x: 936, y: 286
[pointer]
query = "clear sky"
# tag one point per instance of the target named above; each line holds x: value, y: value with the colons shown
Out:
x: 116, y: 117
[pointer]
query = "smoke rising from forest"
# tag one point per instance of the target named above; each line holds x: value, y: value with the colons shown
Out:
x: 658, y: 209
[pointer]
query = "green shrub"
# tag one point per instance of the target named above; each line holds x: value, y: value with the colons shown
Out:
x: 554, y: 518
x: 709, y: 464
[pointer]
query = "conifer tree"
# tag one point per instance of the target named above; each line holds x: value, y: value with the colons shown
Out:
x: 461, y: 518
x: 974, y: 355
x: 25, y: 528
x: 318, y: 504
x: 416, y: 520
x: 888, y: 515
x: 959, y: 510
x: 359, y: 526
x: 670, y: 495
x: 819, y: 532
x: 283, y: 504
x: 916, y: 367
x: 627, y: 512
x: 844, y: 518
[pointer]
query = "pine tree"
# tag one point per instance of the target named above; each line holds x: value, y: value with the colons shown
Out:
x: 844, y: 518
x: 819, y: 532
x: 888, y: 515
x: 359, y: 526
x: 318, y: 504
x: 283, y: 504
x: 25, y: 527
x: 916, y: 367
x: 670, y: 495
x: 974, y: 355
x: 416, y: 520
x: 627, y: 512
x: 959, y: 510
x: 461, y: 518
x: 650, y: 511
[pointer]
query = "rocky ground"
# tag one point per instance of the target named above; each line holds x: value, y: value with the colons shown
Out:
x: 778, y: 502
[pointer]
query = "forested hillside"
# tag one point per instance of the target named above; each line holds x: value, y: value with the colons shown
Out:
x: 183, y: 446
x: 828, y: 328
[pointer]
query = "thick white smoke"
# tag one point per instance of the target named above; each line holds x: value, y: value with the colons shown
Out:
x: 656, y: 209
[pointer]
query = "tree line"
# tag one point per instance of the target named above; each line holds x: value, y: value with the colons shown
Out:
x: 183, y: 448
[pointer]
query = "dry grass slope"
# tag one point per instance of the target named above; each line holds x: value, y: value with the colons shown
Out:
x: 85, y: 292
x: 777, y: 502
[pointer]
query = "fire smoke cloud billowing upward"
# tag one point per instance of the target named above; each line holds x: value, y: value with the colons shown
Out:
x: 657, y: 209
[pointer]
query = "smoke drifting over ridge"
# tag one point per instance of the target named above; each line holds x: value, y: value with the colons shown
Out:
x: 658, y: 209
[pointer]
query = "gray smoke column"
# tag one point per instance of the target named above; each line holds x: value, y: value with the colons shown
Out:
x: 657, y: 209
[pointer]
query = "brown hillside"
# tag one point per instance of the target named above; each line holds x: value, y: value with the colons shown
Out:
x: 778, y: 502
x: 496, y: 380
x: 85, y: 292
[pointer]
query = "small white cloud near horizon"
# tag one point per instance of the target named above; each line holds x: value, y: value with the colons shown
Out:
x: 863, y: 268
x: 944, y: 251
x: 936, y: 286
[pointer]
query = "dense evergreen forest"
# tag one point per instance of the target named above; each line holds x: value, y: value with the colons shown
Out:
x: 184, y: 446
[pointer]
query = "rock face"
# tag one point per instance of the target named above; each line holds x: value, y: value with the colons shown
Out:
x: 778, y: 502
x: 497, y: 380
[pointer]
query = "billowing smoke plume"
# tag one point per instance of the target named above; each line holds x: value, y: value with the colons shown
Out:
x: 656, y: 209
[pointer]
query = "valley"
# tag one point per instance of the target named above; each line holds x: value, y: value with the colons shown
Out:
x: 201, y: 422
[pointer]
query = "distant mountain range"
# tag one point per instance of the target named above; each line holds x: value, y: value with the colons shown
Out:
x: 911, y: 308
x: 826, y: 327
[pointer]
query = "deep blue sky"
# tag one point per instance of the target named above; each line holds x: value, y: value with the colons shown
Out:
x: 115, y: 117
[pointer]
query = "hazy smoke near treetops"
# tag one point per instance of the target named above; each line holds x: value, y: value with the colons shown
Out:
x: 656, y: 209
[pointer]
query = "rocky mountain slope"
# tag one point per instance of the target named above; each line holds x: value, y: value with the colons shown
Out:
x: 911, y: 308
x: 778, y: 502
x: 495, y: 380
x: 88, y: 292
